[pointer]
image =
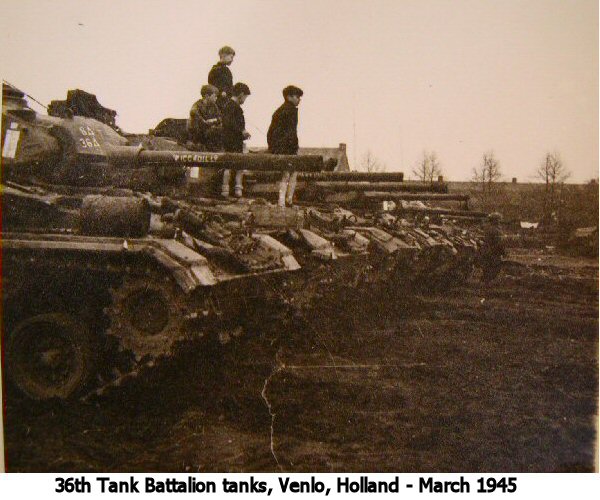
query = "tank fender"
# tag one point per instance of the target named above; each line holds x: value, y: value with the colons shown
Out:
x: 287, y: 256
x: 189, y: 269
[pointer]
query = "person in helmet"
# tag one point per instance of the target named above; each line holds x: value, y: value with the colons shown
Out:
x: 492, y: 249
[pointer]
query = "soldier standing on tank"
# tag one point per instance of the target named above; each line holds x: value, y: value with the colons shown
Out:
x: 234, y: 133
x: 220, y: 75
x: 282, y: 136
x: 493, y: 249
x: 282, y: 139
x: 234, y: 124
x: 204, y: 124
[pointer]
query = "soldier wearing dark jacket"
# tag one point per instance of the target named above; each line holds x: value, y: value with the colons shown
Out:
x: 220, y: 75
x: 282, y: 136
x: 234, y: 124
x: 204, y: 124
x: 493, y: 249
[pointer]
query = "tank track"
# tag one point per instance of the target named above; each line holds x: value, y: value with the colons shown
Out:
x: 140, y: 337
x: 147, y: 315
x: 200, y: 320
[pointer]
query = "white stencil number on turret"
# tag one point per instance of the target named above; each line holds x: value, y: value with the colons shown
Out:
x: 89, y: 141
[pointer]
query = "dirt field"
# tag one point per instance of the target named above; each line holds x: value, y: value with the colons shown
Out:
x: 500, y: 377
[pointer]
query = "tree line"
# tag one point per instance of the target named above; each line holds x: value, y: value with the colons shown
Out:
x: 549, y: 203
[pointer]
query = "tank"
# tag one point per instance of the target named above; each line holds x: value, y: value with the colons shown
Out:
x: 108, y: 264
x: 120, y: 248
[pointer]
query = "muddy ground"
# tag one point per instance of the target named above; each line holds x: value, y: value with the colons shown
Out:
x: 498, y: 377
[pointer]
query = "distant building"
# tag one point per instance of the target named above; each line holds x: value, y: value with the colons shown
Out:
x: 339, y: 154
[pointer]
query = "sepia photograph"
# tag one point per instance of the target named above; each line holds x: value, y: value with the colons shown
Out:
x: 299, y: 236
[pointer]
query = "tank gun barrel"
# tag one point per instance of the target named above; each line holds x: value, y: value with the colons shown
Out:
x: 411, y: 187
x: 334, y: 176
x: 382, y: 195
x: 442, y: 211
x: 235, y: 161
x: 305, y: 185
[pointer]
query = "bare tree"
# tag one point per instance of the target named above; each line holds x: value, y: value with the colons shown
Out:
x: 488, y: 172
x: 428, y: 168
x: 553, y: 174
x: 486, y: 176
x: 369, y: 163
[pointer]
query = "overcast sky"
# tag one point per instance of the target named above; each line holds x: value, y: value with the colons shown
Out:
x: 459, y: 77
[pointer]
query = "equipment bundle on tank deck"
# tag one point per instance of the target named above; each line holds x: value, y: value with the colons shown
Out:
x: 116, y: 250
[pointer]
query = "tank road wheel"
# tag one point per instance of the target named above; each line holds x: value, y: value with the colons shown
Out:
x: 50, y: 356
x: 147, y: 315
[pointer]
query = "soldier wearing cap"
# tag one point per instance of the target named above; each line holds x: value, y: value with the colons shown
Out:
x: 493, y: 249
x: 282, y: 136
x: 220, y: 75
x: 204, y: 124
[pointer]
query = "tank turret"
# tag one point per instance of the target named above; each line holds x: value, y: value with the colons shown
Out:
x: 79, y: 150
